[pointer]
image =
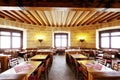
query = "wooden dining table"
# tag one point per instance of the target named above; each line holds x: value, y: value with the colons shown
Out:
x: 72, y: 50
x: 13, y: 77
x: 79, y: 56
x: 44, y: 50
x: 39, y: 57
x: 106, y: 76
x: 26, y: 68
x: 97, y: 71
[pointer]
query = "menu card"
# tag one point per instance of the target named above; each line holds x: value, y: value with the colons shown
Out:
x: 98, y: 66
x: 23, y: 67
x: 95, y: 66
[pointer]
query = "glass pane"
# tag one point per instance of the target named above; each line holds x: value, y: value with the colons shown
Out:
x: 5, y: 42
x: 61, y: 40
x: 64, y: 43
x: 105, y: 34
x: 115, y: 33
x: 105, y: 42
x: 16, y: 34
x: 16, y: 42
x: 58, y: 36
x: 64, y: 36
x: 5, y: 33
x: 115, y: 42
x: 58, y: 42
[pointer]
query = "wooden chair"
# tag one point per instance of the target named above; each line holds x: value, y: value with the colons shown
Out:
x: 84, y: 72
x: 87, y: 54
x: 38, y: 75
x: 115, y: 66
x: 67, y: 58
x: 51, y: 59
x: 102, y: 61
x: 118, y: 66
x: 78, y: 70
x: 13, y: 62
x: 0, y: 65
x: 45, y: 69
x: 25, y: 57
x: 108, y: 57
x: 72, y: 63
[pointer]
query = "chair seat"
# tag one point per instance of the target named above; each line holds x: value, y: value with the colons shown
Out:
x: 33, y: 78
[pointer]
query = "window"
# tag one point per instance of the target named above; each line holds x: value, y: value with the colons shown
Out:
x: 61, y: 40
x: 109, y: 38
x: 10, y: 39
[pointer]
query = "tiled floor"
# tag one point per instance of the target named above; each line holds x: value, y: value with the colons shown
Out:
x: 60, y: 70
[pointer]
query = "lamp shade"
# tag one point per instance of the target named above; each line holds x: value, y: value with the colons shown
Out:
x: 40, y: 40
x: 82, y: 40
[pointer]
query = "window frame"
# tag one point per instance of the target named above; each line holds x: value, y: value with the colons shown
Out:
x: 60, y: 34
x: 108, y: 31
x: 12, y: 31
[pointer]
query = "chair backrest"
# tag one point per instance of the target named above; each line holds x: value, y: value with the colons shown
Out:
x: 102, y: 61
x: 107, y: 56
x: 39, y: 72
x: 13, y: 62
x: 118, y: 66
x: 115, y: 66
x: 47, y: 63
x: 25, y: 57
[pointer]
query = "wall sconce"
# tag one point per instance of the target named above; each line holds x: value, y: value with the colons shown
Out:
x: 40, y: 40
x: 82, y: 40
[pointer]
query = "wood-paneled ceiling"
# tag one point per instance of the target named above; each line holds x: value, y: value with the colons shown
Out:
x: 58, y: 16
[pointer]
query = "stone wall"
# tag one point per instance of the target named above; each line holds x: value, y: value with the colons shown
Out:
x: 33, y: 32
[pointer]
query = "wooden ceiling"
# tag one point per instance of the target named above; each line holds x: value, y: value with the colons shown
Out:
x: 58, y: 16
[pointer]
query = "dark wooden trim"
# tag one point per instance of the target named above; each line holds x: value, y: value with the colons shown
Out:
x: 60, y: 34
x: 107, y: 31
x: 13, y: 30
x: 62, y: 3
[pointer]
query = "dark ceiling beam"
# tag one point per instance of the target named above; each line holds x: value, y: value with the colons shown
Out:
x: 63, y: 3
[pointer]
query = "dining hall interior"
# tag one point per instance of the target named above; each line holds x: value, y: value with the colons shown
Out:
x: 60, y: 40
